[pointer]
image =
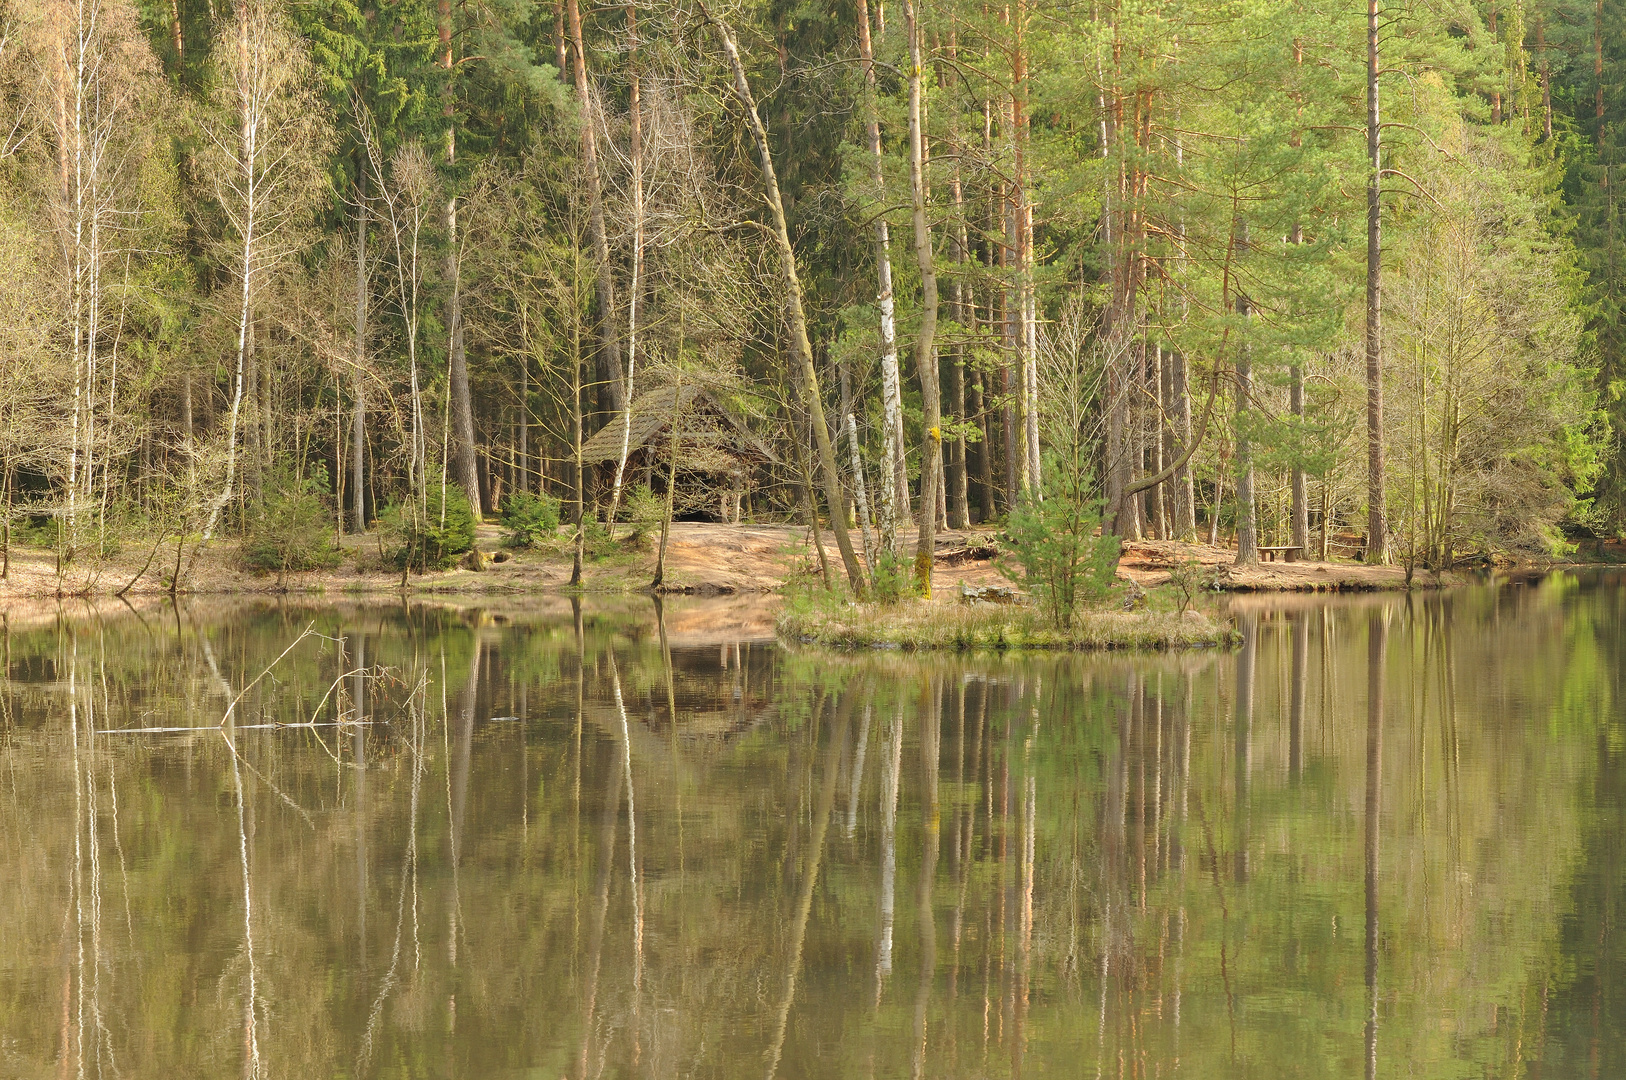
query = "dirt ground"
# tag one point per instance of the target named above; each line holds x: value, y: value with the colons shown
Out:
x: 702, y: 559
x: 1147, y: 562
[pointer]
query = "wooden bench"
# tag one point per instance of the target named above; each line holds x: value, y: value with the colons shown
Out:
x: 1289, y: 553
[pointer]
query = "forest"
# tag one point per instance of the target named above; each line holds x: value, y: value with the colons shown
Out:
x: 1259, y: 272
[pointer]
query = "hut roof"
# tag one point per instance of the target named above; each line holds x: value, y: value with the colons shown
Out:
x: 653, y: 412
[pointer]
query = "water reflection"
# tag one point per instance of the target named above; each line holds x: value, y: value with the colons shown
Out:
x: 1378, y: 836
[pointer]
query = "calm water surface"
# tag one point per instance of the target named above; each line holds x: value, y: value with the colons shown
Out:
x: 1381, y: 838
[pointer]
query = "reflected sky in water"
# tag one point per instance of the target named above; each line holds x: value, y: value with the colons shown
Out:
x: 1382, y: 837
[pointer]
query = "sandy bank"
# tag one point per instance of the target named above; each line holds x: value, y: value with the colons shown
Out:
x: 702, y: 559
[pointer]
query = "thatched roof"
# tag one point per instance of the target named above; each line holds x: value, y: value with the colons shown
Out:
x: 652, y: 414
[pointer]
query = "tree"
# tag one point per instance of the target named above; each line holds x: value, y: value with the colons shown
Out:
x: 263, y: 137
x: 801, y: 346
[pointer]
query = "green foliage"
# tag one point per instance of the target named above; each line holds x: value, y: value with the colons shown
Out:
x: 1059, y: 552
x: 529, y: 519
x: 290, y: 528
x: 429, y: 535
x: 892, y: 579
x: 643, y: 510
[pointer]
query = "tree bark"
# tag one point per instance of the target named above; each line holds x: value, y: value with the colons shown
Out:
x: 463, y: 448
x: 959, y: 504
x: 1159, y: 438
x: 894, y: 480
x: 609, y: 342
x: 635, y: 288
x: 1247, y: 524
x: 983, y: 448
x: 1023, y: 207
x: 578, y: 478
x: 462, y: 406
x: 358, y: 382
x: 931, y: 440
x: 248, y: 157
x: 175, y: 32
x: 522, y: 457
x: 1377, y: 540
x: 1300, y: 483
x: 800, y: 343
x: 1597, y: 65
x: 860, y: 489
x: 671, y: 479
x: 1546, y: 80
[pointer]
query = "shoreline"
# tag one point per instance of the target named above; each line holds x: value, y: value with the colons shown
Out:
x: 703, y: 559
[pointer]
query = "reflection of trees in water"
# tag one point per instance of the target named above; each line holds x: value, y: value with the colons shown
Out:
x: 1113, y: 864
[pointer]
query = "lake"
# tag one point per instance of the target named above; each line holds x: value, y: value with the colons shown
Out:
x: 1385, y: 836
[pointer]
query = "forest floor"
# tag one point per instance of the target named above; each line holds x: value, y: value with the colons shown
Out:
x: 1147, y: 563
x: 702, y: 559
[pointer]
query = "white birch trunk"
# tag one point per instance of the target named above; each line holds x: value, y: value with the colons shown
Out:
x: 894, y: 485
x: 247, y: 160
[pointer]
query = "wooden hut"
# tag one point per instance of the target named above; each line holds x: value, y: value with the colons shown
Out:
x: 718, y: 457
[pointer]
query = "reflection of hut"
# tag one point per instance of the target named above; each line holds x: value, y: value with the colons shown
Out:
x: 717, y: 454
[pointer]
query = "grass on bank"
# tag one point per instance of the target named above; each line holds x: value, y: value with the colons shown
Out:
x: 1067, y: 567
x: 825, y: 618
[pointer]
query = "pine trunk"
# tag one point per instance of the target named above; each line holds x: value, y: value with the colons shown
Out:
x: 1377, y: 540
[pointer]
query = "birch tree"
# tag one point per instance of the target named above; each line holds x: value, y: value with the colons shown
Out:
x: 263, y: 138
x: 95, y: 71
x: 801, y: 345
x: 893, y: 489
x: 405, y: 193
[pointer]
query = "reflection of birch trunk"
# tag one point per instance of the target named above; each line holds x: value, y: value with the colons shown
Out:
x: 858, y: 773
x: 929, y: 747
x: 889, y: 850
x: 1178, y: 855
x: 1030, y: 811
x: 672, y: 732
x: 595, y: 933
x: 632, y: 858
x: 358, y: 702
x: 810, y: 876
x: 1301, y: 660
x: 458, y: 786
x: 1377, y: 647
x: 967, y: 839
x: 78, y: 879
x: 409, y: 883
x: 1245, y: 663
x: 251, y: 1027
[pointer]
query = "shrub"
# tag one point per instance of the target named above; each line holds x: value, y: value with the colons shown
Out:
x: 892, y: 579
x: 644, y: 510
x: 290, y: 528
x: 529, y: 519
x: 429, y: 537
x: 1188, y: 579
x: 1058, y: 556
